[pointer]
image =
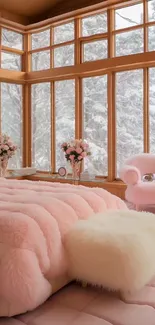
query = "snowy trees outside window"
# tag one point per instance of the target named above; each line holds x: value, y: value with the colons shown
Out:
x: 41, y: 126
x: 95, y: 123
x: 12, y: 118
x: 129, y: 114
x: 64, y: 116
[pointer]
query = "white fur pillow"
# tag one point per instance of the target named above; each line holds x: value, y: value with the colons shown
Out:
x: 115, y: 249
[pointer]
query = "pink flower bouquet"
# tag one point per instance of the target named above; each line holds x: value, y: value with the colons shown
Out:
x: 7, y: 148
x: 75, y: 151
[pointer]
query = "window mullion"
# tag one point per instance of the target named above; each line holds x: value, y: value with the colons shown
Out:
x: 111, y: 101
x: 146, y: 108
x: 145, y: 20
x: 111, y: 128
x: 53, y: 129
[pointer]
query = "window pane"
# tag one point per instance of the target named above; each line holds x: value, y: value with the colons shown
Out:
x: 64, y: 33
x: 12, y: 39
x: 41, y: 60
x: 152, y: 38
x: 151, y: 10
x: 94, y: 25
x: 41, y: 126
x: 129, y: 16
x: 11, y: 114
x: 129, y: 115
x: 95, y: 123
x: 11, y: 61
x: 64, y: 56
x: 129, y: 42
x: 65, y: 116
x: 40, y: 40
x: 95, y: 50
x: 152, y: 108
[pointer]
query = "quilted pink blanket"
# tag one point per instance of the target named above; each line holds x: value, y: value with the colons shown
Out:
x: 34, y: 216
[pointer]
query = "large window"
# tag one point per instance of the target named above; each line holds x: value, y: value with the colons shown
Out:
x: 12, y: 117
x: 12, y: 50
x: 90, y: 76
x: 53, y: 47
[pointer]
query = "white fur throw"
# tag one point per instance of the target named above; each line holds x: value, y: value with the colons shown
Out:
x: 115, y: 250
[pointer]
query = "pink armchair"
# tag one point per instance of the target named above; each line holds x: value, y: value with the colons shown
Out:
x: 138, y: 192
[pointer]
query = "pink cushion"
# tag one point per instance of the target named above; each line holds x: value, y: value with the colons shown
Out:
x: 130, y: 175
x: 141, y: 193
x: 145, y: 162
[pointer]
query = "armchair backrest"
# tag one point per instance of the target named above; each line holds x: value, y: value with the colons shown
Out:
x: 144, y: 162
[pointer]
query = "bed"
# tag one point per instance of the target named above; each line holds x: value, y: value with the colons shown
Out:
x: 34, y: 217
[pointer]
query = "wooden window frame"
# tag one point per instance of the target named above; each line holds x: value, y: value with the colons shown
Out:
x: 81, y: 69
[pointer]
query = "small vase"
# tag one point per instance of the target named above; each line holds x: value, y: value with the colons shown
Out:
x: 3, y: 167
x: 76, y: 167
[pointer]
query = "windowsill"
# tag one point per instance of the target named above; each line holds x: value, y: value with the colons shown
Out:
x: 94, y: 182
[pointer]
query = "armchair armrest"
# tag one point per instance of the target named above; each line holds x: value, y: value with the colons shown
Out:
x: 130, y: 175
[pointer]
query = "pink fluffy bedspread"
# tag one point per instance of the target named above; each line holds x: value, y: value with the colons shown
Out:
x: 34, y: 216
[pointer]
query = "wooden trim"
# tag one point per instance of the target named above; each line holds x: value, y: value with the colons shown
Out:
x: 25, y: 125
x: 99, y: 67
x: 77, y: 48
x: 146, y: 109
x: 42, y: 49
x: 51, y: 50
x: 150, y: 23
x: 111, y: 45
x: 111, y: 103
x: 16, y: 27
x: 12, y: 50
x: 64, y: 18
x: 27, y: 56
x: 53, y: 129
x: 116, y: 187
x: 111, y: 128
x: 29, y: 126
x: 94, y: 9
x: 127, y: 29
x: 40, y: 30
x: 54, y: 46
x: 12, y: 30
x: 145, y: 19
x: 12, y: 76
x: 51, y: 47
x: 60, y: 23
x: 92, y: 38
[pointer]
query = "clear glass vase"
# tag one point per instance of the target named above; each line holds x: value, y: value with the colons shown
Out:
x: 76, y: 169
x: 3, y: 167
